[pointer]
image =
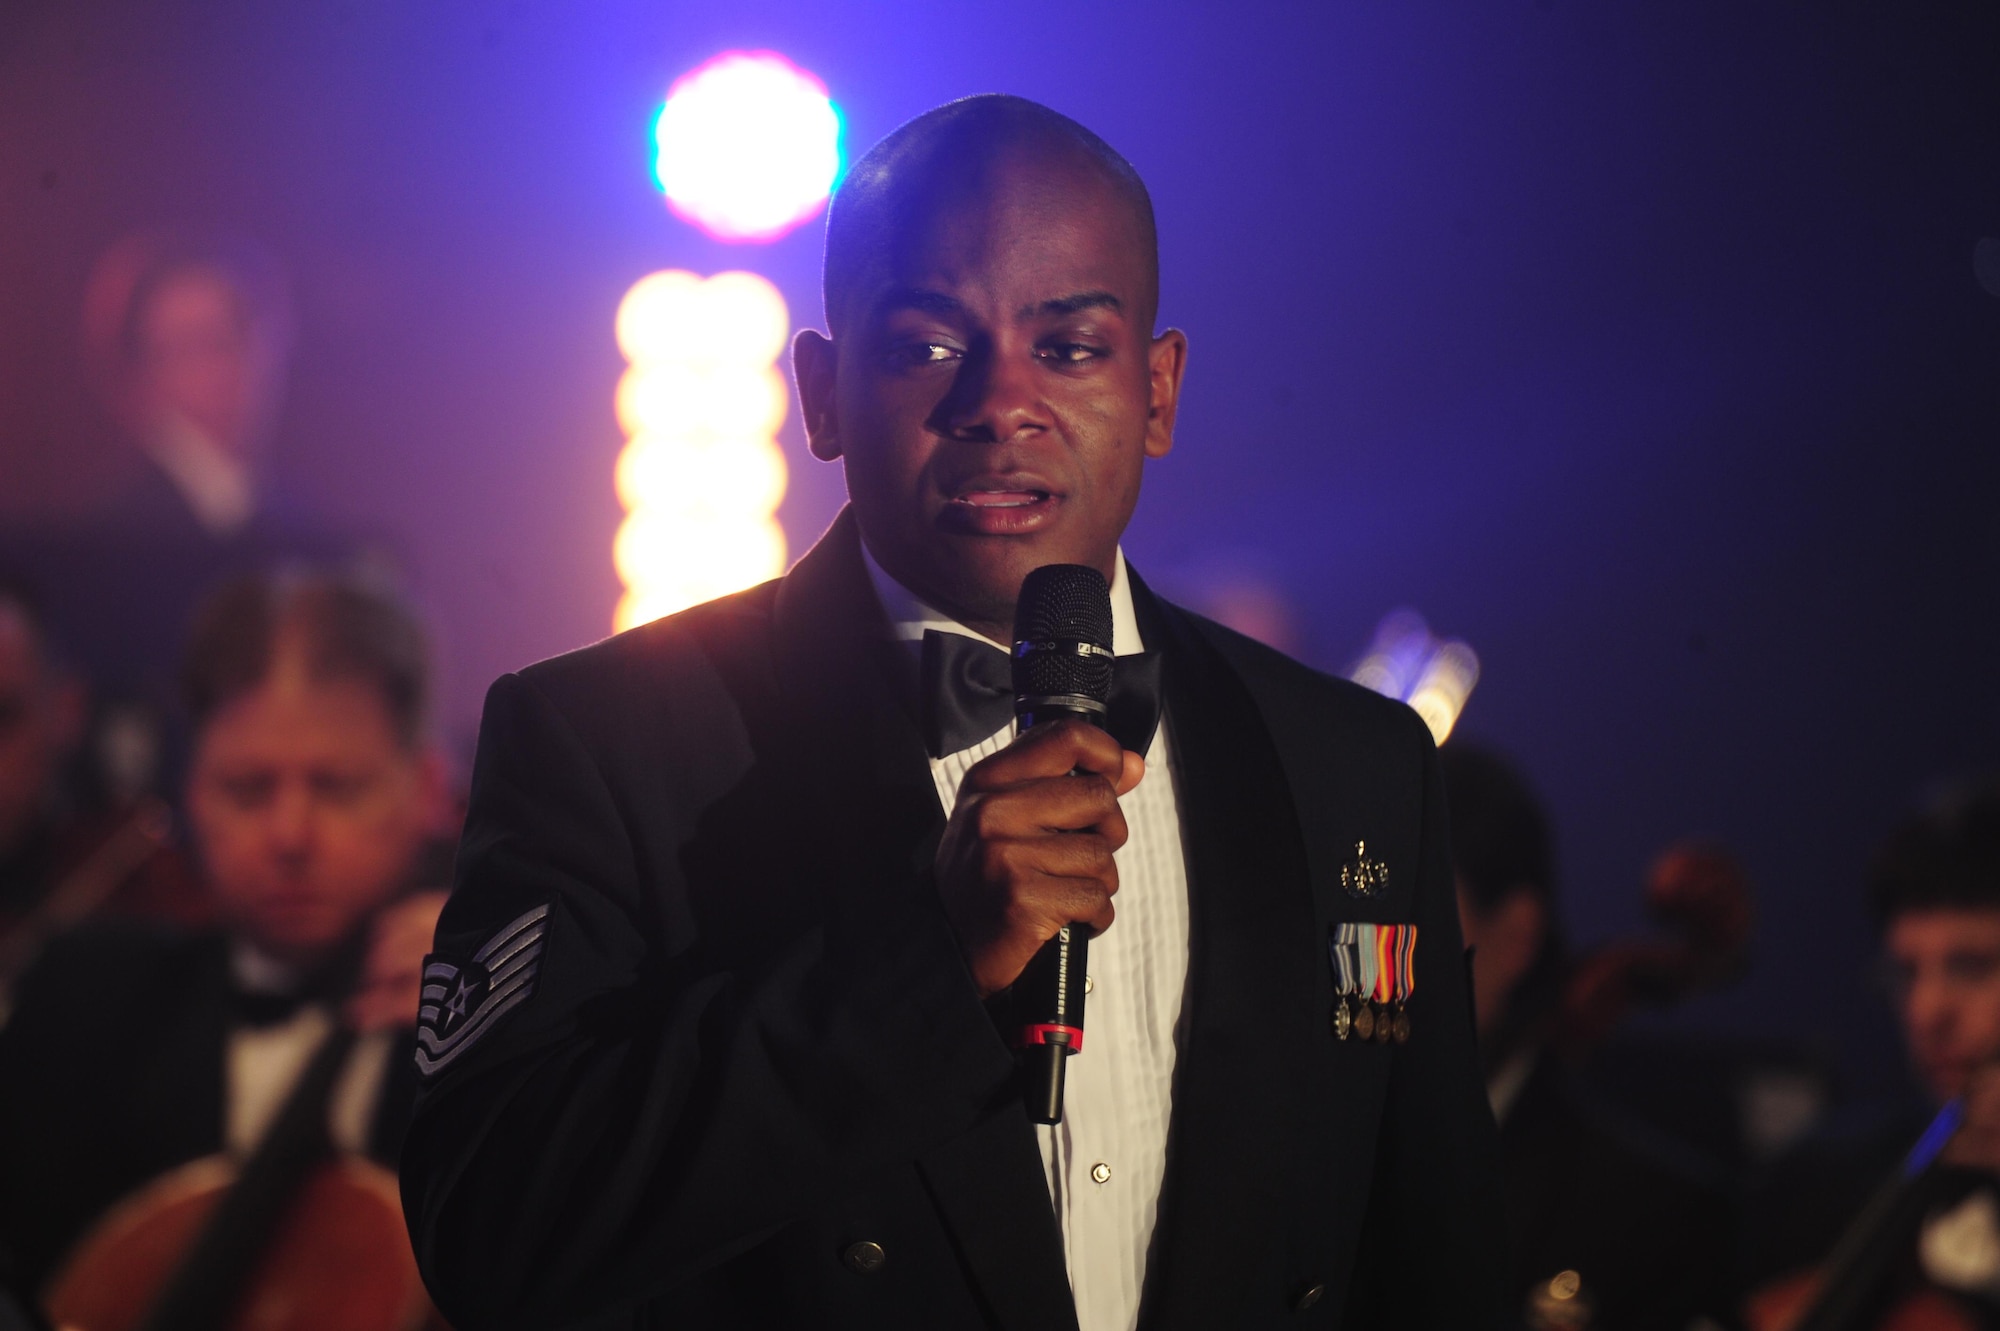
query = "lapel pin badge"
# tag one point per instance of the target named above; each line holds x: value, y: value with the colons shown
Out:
x: 1364, y: 878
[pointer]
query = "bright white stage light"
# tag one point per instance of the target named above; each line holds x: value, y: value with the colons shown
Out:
x: 701, y: 474
x: 747, y: 146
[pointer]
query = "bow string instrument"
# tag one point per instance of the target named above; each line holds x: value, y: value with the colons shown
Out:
x: 298, y: 1236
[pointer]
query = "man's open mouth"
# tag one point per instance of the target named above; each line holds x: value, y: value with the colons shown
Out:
x: 1001, y: 498
x: 1000, y: 505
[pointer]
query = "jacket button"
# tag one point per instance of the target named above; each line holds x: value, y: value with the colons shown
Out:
x: 1308, y: 1299
x: 864, y: 1258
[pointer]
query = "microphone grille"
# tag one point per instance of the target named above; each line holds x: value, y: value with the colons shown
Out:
x: 1063, y: 603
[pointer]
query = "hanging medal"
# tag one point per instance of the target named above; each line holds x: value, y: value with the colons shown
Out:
x: 1404, y: 947
x: 1343, y: 947
x: 1368, y: 952
x: 1383, y: 990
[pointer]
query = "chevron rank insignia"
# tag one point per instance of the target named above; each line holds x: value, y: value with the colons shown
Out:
x: 461, y: 1003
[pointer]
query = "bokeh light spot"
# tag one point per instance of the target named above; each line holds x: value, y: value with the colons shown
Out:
x: 1435, y: 676
x: 701, y: 474
x: 747, y: 146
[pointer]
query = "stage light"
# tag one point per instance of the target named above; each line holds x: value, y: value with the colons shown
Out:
x: 1434, y: 676
x: 747, y: 146
x: 701, y: 474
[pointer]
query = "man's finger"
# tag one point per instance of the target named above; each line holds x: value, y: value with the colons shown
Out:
x: 1054, y: 748
x: 1132, y: 774
x: 1050, y: 804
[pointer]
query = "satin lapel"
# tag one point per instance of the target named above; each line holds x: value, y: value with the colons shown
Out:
x: 836, y: 680
x: 835, y: 663
x: 1248, y: 1180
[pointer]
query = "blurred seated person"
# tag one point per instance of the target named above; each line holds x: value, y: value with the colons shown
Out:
x: 63, y: 858
x: 1934, y: 894
x: 1612, y: 1228
x: 186, y: 338
x: 313, y: 799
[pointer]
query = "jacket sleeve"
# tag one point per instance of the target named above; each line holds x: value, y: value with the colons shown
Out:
x: 658, y: 1101
x: 1434, y: 1252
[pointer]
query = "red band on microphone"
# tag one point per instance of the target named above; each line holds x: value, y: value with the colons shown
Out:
x: 1040, y: 1035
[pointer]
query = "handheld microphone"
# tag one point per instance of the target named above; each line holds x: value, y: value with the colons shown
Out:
x: 1062, y: 667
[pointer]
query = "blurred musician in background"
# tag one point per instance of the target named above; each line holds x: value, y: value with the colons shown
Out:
x: 314, y: 798
x: 64, y: 854
x: 186, y: 339
x: 41, y: 719
x: 1912, y: 1214
x: 1611, y: 1226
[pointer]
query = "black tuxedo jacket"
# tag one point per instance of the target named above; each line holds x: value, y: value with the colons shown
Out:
x: 113, y: 1071
x: 751, y: 1043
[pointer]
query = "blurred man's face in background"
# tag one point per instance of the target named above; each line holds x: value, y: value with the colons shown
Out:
x: 1506, y: 939
x: 40, y: 717
x: 196, y: 358
x: 1944, y: 972
x: 309, y: 809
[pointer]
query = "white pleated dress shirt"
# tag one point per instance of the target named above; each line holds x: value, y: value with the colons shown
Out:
x: 1106, y: 1159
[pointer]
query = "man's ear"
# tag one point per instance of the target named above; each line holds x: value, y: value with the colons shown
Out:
x: 814, y: 358
x: 1165, y: 360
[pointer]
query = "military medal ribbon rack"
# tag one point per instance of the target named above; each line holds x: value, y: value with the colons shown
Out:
x: 1374, y: 973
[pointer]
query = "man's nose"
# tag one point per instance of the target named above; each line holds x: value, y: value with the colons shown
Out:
x: 1927, y: 1011
x: 293, y: 822
x: 994, y: 397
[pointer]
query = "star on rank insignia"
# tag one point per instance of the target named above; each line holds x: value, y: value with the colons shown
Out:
x: 462, y: 1001
x: 1364, y: 877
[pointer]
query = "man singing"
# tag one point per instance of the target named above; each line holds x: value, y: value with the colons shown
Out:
x: 707, y: 1038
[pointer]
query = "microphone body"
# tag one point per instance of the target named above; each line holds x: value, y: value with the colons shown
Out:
x: 1062, y: 664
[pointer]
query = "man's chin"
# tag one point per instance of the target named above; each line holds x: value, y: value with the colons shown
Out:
x: 1945, y: 1080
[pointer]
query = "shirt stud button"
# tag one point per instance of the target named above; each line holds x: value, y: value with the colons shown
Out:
x: 1089, y: 985
x: 1308, y: 1299
x: 1100, y: 1172
x: 864, y: 1258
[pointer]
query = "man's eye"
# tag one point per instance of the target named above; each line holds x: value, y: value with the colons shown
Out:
x: 1070, y: 353
x: 339, y: 787
x: 912, y: 354
x: 248, y: 792
x: 1971, y: 967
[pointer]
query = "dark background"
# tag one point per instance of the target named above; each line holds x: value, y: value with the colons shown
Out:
x: 1640, y: 346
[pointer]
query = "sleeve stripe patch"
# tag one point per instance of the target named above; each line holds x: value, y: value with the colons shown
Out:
x: 466, y: 1001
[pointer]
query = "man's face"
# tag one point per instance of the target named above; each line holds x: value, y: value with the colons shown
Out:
x: 39, y: 718
x: 1944, y: 968
x: 197, y: 358
x: 309, y: 812
x: 999, y: 388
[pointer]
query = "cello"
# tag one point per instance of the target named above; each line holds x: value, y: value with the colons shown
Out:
x: 297, y: 1237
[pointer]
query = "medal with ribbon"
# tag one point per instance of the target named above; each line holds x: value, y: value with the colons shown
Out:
x: 1374, y: 972
x: 1344, y: 947
x: 1395, y: 977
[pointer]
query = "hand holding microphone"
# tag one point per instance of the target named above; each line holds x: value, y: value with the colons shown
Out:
x: 1028, y: 850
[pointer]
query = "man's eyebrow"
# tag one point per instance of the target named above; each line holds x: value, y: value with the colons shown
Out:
x: 921, y: 300
x: 1075, y: 304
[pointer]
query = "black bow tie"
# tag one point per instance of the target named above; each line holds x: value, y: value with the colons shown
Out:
x: 969, y: 694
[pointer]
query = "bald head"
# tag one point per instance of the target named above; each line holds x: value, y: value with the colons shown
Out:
x: 956, y: 158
